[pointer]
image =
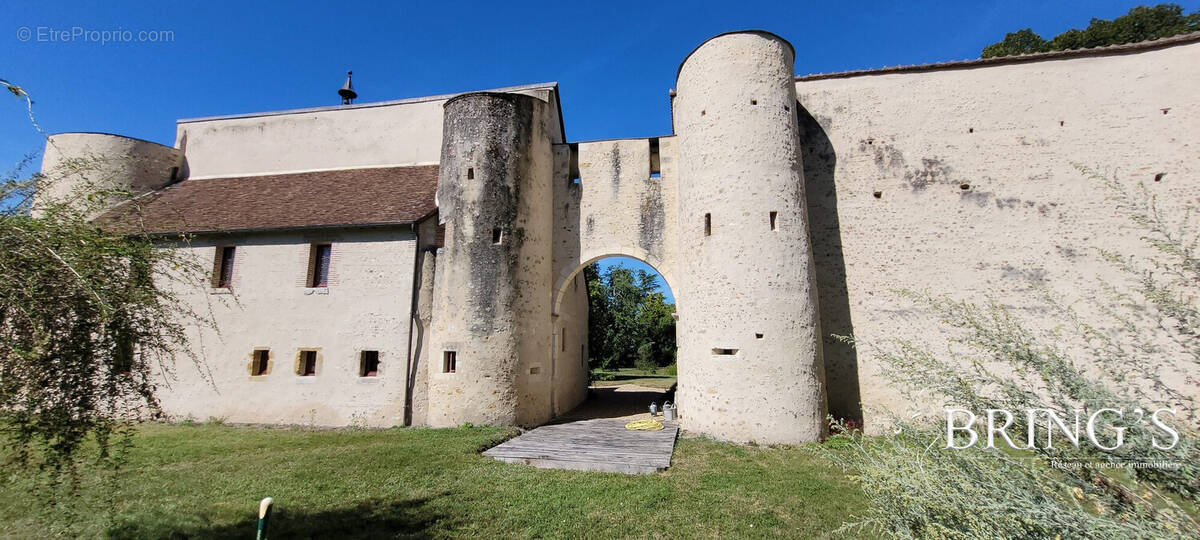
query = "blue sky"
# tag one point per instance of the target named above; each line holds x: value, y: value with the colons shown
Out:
x: 614, y: 61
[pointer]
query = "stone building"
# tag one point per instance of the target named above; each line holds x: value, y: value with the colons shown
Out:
x: 418, y: 262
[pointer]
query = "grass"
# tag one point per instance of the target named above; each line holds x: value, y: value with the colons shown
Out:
x: 634, y: 376
x: 205, y: 481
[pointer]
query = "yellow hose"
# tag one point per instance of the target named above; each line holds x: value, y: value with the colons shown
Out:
x: 648, y: 424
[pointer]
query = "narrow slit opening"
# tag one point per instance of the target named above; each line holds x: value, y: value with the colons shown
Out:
x: 655, y: 161
x: 707, y: 224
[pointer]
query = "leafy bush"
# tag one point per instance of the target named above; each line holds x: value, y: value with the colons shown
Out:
x: 645, y: 358
x: 598, y: 375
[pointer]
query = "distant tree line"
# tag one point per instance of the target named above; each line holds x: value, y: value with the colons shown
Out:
x: 630, y: 323
x: 1140, y: 24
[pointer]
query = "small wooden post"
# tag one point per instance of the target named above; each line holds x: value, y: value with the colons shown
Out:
x: 264, y: 516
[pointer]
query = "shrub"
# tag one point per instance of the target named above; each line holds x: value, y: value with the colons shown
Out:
x: 920, y: 488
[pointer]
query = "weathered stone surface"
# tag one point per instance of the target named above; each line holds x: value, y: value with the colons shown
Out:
x: 748, y: 280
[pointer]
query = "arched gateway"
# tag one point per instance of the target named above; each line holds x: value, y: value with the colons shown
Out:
x: 718, y: 208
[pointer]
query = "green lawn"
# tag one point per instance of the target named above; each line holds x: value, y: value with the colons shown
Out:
x: 635, y: 376
x: 205, y: 481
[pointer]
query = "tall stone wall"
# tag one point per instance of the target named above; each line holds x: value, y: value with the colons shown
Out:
x: 607, y: 202
x: 749, y: 342
x: 962, y: 181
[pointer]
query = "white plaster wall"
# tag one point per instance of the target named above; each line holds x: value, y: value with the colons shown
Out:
x: 97, y: 161
x: 1010, y: 134
x: 746, y: 287
x: 365, y: 307
x: 408, y: 132
x: 404, y: 134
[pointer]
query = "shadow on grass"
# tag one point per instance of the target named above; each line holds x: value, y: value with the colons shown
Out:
x: 413, y: 518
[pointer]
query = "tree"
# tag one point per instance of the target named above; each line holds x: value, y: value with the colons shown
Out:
x: 1020, y: 42
x: 629, y: 321
x: 1142, y: 23
x: 84, y: 321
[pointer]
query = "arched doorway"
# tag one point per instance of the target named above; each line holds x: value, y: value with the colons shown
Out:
x: 620, y: 313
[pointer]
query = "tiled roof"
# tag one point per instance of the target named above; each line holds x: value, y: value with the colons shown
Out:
x: 1127, y: 48
x: 338, y: 198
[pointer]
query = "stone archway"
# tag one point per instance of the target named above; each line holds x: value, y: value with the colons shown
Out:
x: 613, y: 198
x: 571, y: 324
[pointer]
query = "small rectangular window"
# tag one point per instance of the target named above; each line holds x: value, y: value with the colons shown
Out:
x: 262, y: 359
x: 321, y: 254
x: 562, y: 339
x: 724, y: 352
x: 368, y: 365
x: 497, y: 236
x: 308, y: 363
x: 449, y: 362
x: 470, y: 173
x: 223, y: 272
x: 707, y: 224
x: 773, y: 216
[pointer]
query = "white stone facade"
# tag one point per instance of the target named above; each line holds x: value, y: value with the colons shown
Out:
x: 781, y: 210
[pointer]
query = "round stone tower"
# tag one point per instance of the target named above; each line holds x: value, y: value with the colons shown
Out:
x: 750, y: 364
x: 90, y: 162
x: 490, y: 342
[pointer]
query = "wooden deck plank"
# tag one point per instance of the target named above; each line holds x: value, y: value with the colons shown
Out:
x: 592, y: 445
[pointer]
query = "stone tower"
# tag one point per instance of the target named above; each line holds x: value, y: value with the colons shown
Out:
x: 491, y: 306
x: 750, y: 364
x: 99, y: 161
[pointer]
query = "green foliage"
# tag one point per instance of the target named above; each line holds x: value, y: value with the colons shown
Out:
x: 86, y: 323
x: 1115, y: 357
x: 1021, y: 42
x: 629, y: 321
x: 1142, y: 23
